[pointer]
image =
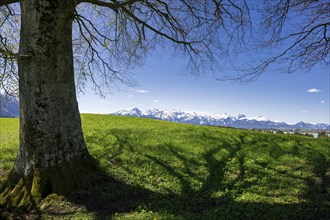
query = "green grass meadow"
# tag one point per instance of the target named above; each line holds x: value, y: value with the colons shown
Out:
x: 162, y: 170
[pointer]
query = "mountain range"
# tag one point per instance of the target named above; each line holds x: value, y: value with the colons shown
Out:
x: 223, y: 119
x: 9, y: 106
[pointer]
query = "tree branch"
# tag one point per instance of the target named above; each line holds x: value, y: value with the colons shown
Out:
x: 182, y: 42
x: 115, y: 5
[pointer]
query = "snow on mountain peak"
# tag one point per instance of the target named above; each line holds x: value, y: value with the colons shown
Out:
x: 258, y: 118
x: 222, y: 116
x: 241, y: 116
x: 130, y: 112
x: 223, y: 119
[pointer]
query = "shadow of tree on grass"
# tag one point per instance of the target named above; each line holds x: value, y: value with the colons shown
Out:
x: 218, y: 196
x: 218, y: 183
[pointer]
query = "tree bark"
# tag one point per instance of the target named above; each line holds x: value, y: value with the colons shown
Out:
x: 52, y: 156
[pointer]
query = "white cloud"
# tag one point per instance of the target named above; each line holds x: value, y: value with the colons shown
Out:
x: 104, y: 102
x: 304, y: 111
x: 313, y: 90
x: 155, y: 100
x: 322, y: 101
x: 130, y: 96
x: 142, y: 91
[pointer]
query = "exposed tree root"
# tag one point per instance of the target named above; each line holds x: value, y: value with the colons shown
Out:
x: 20, y: 192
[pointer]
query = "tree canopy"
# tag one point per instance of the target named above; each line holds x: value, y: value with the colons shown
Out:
x: 112, y: 37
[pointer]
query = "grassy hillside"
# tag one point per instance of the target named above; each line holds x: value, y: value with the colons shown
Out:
x: 162, y: 170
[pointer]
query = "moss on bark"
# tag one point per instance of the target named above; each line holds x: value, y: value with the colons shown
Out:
x: 52, y: 156
x: 21, y: 192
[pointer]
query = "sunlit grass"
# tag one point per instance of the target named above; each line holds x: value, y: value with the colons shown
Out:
x: 175, y: 171
x: 8, y: 143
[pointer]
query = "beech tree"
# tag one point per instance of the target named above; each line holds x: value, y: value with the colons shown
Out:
x: 52, y: 156
x: 50, y: 48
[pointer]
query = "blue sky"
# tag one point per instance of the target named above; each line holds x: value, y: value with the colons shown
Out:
x: 301, y: 96
x: 279, y: 96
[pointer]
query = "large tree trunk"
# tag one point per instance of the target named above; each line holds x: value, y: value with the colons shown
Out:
x: 52, y: 154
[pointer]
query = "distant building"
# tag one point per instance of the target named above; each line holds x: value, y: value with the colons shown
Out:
x: 315, y: 135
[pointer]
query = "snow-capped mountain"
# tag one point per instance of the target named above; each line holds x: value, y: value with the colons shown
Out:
x: 9, y: 106
x: 223, y: 119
